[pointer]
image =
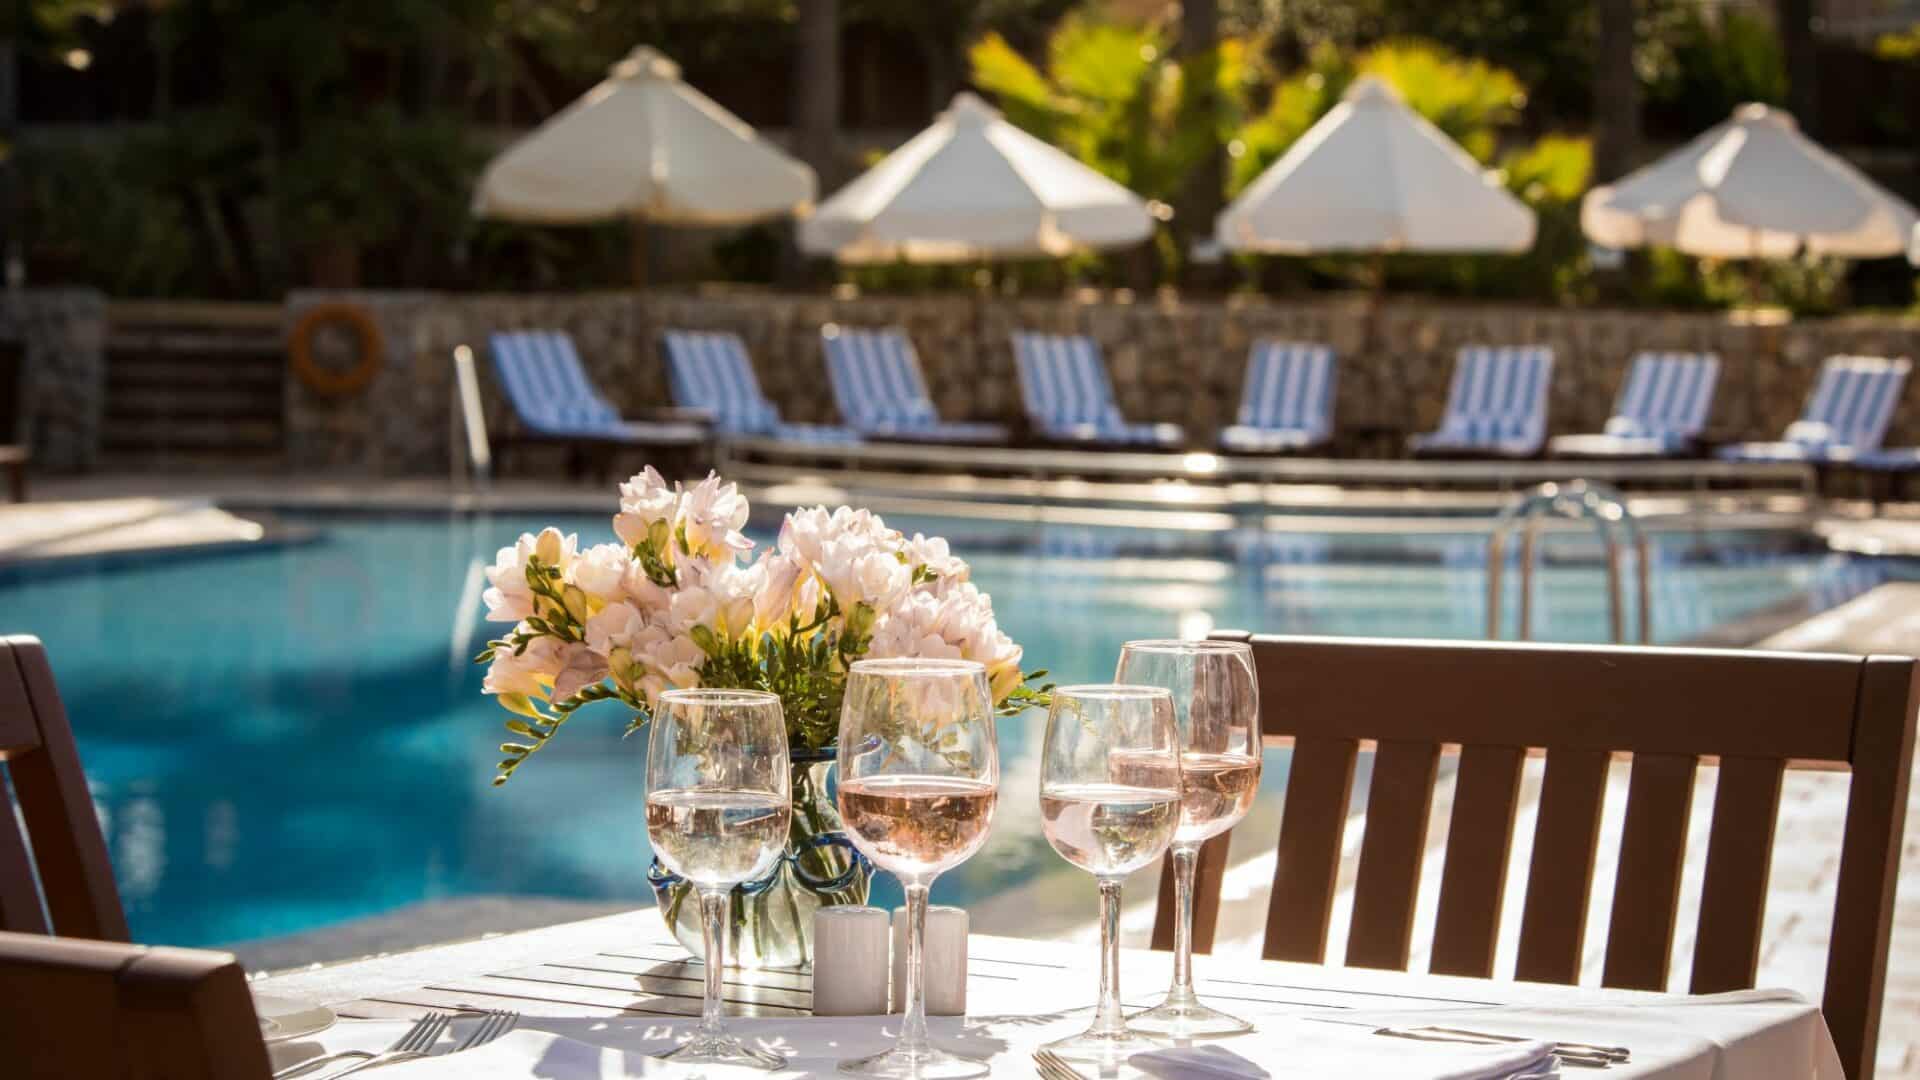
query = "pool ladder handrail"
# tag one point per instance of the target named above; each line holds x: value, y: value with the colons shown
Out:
x: 1583, y: 500
x: 469, y: 449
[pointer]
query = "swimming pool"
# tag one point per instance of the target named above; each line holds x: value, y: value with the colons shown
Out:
x: 291, y: 737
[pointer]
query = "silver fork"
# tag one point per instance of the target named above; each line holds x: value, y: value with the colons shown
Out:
x: 494, y: 1023
x: 414, y: 1036
x: 419, y: 1040
x: 1053, y: 1067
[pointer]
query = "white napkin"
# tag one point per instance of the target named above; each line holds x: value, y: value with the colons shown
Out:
x: 1294, y: 1049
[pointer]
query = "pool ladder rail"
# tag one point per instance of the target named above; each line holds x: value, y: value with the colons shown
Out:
x: 1581, y: 500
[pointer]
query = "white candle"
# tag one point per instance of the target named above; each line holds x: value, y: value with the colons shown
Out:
x: 943, y: 961
x: 849, y: 961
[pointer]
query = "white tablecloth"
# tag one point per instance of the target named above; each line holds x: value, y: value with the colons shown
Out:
x: 1753, y: 1035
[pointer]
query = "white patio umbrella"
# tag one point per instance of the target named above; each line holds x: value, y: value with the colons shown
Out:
x: 1374, y: 176
x: 973, y: 186
x: 1753, y: 187
x: 643, y: 145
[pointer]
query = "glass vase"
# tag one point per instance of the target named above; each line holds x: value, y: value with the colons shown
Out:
x: 770, y: 921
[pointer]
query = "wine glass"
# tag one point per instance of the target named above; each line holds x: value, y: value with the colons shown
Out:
x: 1216, y: 705
x: 1109, y: 803
x: 718, y: 804
x: 919, y: 778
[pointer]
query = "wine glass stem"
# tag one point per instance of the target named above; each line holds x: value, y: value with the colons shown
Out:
x: 1186, y: 858
x: 713, y: 922
x: 913, y: 1025
x: 1107, y: 1018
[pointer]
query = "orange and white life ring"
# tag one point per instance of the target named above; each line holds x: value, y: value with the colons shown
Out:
x: 331, y: 381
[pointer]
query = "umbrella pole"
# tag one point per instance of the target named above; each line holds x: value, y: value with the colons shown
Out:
x: 637, y: 253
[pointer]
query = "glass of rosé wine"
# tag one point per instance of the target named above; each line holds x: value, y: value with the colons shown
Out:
x: 919, y: 779
x: 1216, y: 707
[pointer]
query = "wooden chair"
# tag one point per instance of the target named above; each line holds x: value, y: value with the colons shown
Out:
x: 103, y: 1009
x: 1756, y: 713
x: 68, y: 855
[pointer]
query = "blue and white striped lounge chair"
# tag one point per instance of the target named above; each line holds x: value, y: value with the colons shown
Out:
x: 548, y: 388
x: 1845, y: 419
x: 1661, y: 410
x: 1064, y: 385
x: 878, y: 385
x: 1287, y: 403
x: 1497, y: 405
x: 712, y: 372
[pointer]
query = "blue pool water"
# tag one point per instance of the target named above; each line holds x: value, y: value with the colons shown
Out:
x: 288, y: 738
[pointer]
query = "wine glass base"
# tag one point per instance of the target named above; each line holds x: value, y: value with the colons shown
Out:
x: 721, y: 1050
x: 927, y: 1063
x: 1108, y: 1050
x: 1186, y: 1020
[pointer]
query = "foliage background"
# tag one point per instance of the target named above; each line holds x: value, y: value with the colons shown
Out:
x: 228, y: 148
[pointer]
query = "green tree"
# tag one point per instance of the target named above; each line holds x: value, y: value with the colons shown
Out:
x: 1117, y: 98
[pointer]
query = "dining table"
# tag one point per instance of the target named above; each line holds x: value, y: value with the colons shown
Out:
x: 617, y: 988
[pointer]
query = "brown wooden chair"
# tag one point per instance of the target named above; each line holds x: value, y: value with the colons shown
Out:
x: 103, y: 1009
x: 1756, y: 713
x: 68, y: 855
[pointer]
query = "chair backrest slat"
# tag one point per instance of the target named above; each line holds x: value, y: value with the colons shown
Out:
x: 1646, y: 892
x: 876, y: 379
x: 1399, y: 799
x: 1210, y: 871
x: 1063, y: 380
x: 1473, y: 876
x: 1663, y: 710
x: 712, y: 371
x: 1870, y: 844
x: 69, y: 854
x: 1746, y: 810
x: 93, y: 1008
x: 546, y: 382
x: 1500, y: 393
x: 1666, y: 395
x: 1566, y: 839
x: 1319, y: 785
x: 1289, y: 387
x: 1853, y: 402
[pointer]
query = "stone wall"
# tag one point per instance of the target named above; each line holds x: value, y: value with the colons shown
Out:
x: 63, y: 381
x: 1179, y: 362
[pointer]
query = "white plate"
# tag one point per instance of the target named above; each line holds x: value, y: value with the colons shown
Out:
x: 284, y: 1018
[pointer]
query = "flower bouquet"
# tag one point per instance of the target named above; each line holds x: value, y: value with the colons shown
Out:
x: 677, y: 603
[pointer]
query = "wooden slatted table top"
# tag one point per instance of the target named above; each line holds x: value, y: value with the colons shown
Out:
x: 627, y: 964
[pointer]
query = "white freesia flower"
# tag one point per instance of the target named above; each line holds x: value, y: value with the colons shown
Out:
x: 777, y: 597
x: 933, y: 553
x: 601, y: 571
x: 644, y: 500
x: 952, y: 619
x: 710, y: 518
x: 637, y: 612
x: 530, y: 672
x: 510, y: 599
x: 672, y: 664
x: 858, y: 571
x: 580, y: 667
x: 616, y: 626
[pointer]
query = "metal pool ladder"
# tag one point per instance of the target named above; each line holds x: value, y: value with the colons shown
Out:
x: 1580, y: 499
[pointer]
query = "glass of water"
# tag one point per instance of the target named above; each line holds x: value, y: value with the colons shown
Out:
x: 1109, y: 804
x: 718, y: 804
